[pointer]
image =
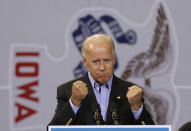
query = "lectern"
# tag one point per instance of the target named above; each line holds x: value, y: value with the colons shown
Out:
x: 111, y: 128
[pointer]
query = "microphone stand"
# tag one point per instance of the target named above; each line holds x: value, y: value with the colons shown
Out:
x: 97, y: 114
x: 114, y: 114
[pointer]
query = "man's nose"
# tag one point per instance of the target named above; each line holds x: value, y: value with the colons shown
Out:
x: 102, y: 65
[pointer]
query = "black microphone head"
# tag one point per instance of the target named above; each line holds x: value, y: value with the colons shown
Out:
x: 97, y: 113
x: 113, y: 106
x: 114, y: 113
x: 95, y: 107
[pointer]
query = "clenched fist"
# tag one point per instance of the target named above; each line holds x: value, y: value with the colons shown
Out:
x: 79, y: 92
x: 134, y: 96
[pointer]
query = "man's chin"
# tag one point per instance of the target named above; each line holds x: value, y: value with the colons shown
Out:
x: 103, y: 81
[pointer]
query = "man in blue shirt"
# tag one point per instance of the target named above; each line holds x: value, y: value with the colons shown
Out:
x: 100, y: 86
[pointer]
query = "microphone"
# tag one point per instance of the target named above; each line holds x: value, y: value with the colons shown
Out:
x: 114, y: 114
x: 97, y: 113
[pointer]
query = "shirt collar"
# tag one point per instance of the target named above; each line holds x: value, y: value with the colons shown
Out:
x: 109, y: 83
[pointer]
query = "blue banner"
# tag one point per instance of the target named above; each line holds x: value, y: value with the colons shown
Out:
x: 110, y: 128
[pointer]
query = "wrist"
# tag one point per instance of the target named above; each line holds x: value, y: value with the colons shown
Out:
x: 75, y: 102
x: 136, y: 107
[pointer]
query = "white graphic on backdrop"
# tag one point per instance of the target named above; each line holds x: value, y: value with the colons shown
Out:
x: 146, y: 54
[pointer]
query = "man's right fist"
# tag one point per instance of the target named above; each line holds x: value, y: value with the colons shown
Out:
x: 79, y: 92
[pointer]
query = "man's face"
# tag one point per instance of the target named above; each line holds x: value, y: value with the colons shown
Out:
x: 100, y: 61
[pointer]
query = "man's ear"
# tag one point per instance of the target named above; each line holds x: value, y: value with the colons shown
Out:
x: 114, y: 58
x: 84, y: 59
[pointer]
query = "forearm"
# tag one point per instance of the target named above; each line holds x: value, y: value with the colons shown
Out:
x: 145, y: 118
x: 63, y: 114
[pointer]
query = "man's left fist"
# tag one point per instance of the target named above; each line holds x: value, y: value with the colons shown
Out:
x: 134, y: 96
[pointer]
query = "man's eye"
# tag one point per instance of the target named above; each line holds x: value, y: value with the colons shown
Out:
x: 107, y: 60
x: 95, y: 61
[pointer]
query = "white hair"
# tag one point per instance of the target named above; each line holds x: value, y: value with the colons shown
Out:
x: 103, y: 37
